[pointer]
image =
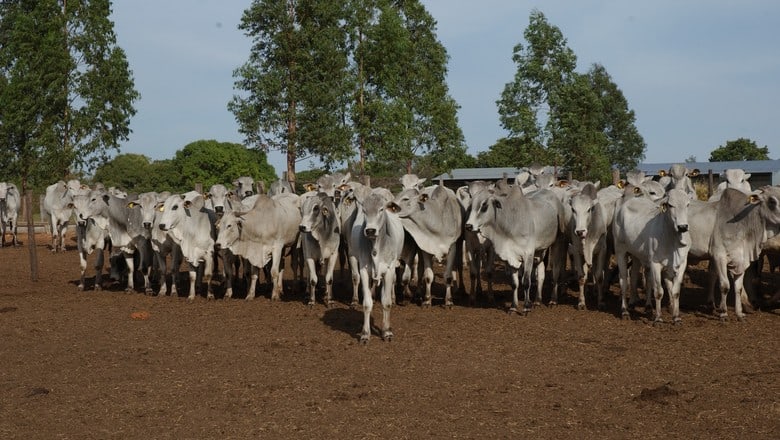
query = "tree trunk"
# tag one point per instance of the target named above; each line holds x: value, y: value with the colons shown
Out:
x: 28, y: 210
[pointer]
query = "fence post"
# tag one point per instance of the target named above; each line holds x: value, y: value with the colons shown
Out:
x: 710, y: 182
x: 28, y: 197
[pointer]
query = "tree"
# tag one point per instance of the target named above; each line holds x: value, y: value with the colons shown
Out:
x: 65, y: 85
x: 295, y: 79
x: 581, y: 121
x: 323, y: 76
x: 740, y: 149
x: 209, y: 162
x: 510, y: 152
x: 404, y: 109
x: 130, y: 172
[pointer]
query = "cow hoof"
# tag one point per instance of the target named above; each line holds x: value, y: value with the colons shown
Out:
x: 250, y: 297
x: 449, y: 305
x: 581, y: 307
x: 354, y: 306
x: 98, y: 287
x: 210, y: 296
x: 677, y: 321
x: 129, y: 290
x: 310, y: 304
x: 80, y: 287
x: 512, y: 310
x: 191, y: 298
x: 723, y: 317
x: 625, y: 315
x: 426, y: 304
x: 526, y: 311
x: 658, y: 321
x: 364, y: 339
x: 149, y: 291
x: 387, y: 336
x: 741, y: 318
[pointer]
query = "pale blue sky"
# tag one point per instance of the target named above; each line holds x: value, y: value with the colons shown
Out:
x: 697, y: 72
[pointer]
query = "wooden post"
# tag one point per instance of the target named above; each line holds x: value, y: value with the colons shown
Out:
x: 199, y: 188
x: 28, y: 196
x: 710, y: 182
x: 615, y: 176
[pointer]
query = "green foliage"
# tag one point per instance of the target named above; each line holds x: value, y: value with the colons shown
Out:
x: 580, y: 121
x: 65, y: 86
x: 204, y: 162
x: 330, y: 78
x: 209, y: 162
x: 740, y: 149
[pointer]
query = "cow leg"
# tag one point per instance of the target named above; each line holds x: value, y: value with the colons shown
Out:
x: 514, y: 276
x: 162, y: 265
x: 130, y: 261
x: 453, y: 258
x: 490, y: 262
x: 312, y: 284
x: 623, y: 271
x: 82, y: 267
x: 329, y: 279
x: 427, y: 277
x: 229, y: 270
x: 193, y: 272
x: 474, y: 262
x: 387, y: 303
x: 99, y: 261
x: 208, y: 273
x: 598, y: 277
x: 253, y: 276
x: 540, y: 275
x: 14, y: 232
x: 276, y: 274
x: 368, y: 305
x: 557, y: 263
x: 674, y: 296
x: 655, y: 288
x: 353, y: 266
x: 739, y: 291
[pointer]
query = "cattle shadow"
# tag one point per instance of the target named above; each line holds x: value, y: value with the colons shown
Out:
x: 346, y: 320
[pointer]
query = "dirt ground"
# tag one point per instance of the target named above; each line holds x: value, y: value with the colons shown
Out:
x: 76, y: 365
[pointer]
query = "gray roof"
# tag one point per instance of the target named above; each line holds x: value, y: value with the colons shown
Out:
x: 651, y: 169
x: 470, y: 174
x: 750, y: 166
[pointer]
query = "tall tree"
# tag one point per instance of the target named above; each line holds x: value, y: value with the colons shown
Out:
x: 65, y: 85
x: 740, y: 149
x: 581, y: 120
x: 295, y: 80
x: 406, y: 109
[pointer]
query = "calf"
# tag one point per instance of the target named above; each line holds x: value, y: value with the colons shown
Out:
x: 588, y: 234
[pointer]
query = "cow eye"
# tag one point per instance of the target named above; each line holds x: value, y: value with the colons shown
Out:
x: 175, y: 207
x: 484, y: 207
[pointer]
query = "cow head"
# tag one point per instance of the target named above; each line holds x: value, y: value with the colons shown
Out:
x: 675, y: 207
x: 582, y: 205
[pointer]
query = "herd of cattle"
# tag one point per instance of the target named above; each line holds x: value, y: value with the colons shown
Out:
x: 533, y: 224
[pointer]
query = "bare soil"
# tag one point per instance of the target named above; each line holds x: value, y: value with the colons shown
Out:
x: 107, y: 364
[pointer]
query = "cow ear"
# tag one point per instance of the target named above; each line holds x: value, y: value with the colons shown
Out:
x: 662, y: 173
x: 206, y: 196
x: 562, y: 183
x: 393, y: 207
x: 325, y: 212
x: 637, y: 191
x: 423, y: 198
x: 664, y: 206
x: 187, y: 204
x: 747, y: 176
x: 131, y: 205
x: 309, y: 187
x: 694, y: 172
x: 753, y: 199
x: 160, y: 207
x: 70, y: 206
x: 106, y: 198
x: 620, y: 184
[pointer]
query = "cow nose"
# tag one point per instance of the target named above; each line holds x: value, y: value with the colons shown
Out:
x: 219, y: 209
x: 147, y: 225
x: 469, y: 227
x: 581, y: 233
x: 162, y: 226
x: 217, y: 247
x: 302, y: 228
x: 370, y: 232
x: 247, y: 193
x: 682, y: 228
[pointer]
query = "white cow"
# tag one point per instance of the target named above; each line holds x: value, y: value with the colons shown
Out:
x: 192, y: 226
x: 523, y: 230
x: 244, y: 187
x: 434, y: 219
x: 412, y: 181
x: 735, y: 178
x: 92, y: 235
x: 743, y: 224
x: 261, y: 234
x: 152, y: 205
x: 377, y: 239
x: 125, y: 229
x: 320, y: 239
x: 54, y: 209
x: 478, y: 249
x: 656, y: 237
x: 10, y: 201
x: 589, y: 241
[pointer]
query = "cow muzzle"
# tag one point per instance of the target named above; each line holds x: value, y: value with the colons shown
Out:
x: 582, y: 233
x: 163, y: 227
x: 303, y: 228
x: 470, y: 227
x: 370, y: 232
x: 147, y: 225
x: 682, y: 228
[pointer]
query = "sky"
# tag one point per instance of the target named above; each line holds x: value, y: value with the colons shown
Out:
x: 696, y: 73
